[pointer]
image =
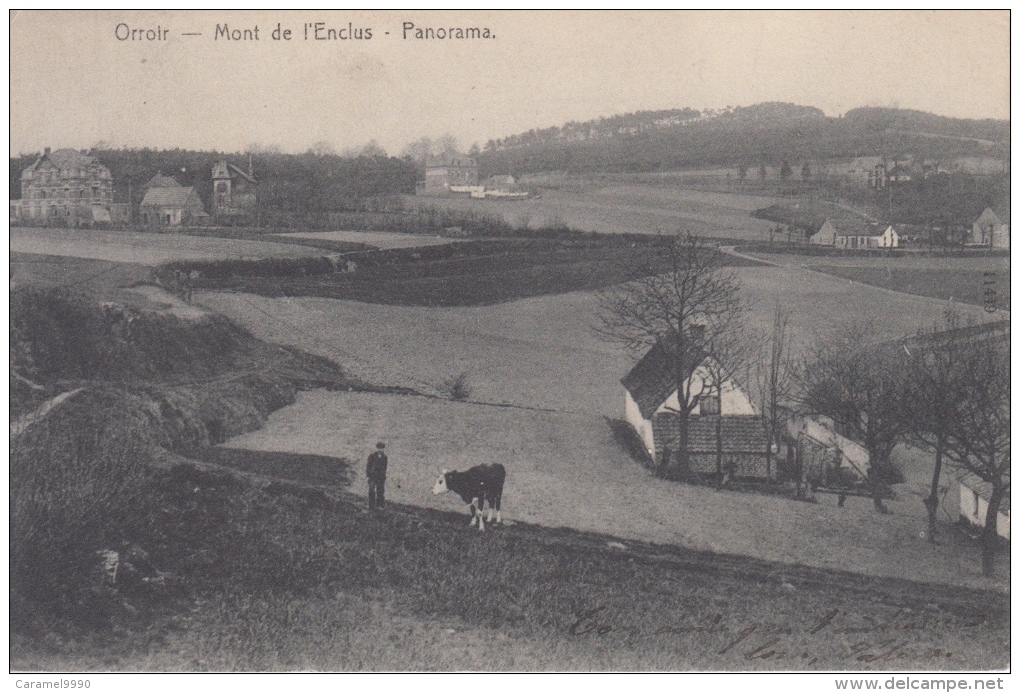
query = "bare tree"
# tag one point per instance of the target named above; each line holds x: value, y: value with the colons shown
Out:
x: 692, y: 311
x: 322, y: 148
x: 978, y: 439
x: 420, y: 150
x: 774, y: 378
x: 447, y: 144
x: 860, y: 385
x: 934, y: 394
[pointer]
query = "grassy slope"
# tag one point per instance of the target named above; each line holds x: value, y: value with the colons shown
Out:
x: 964, y: 285
x: 282, y: 577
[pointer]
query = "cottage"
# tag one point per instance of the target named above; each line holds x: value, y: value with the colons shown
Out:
x: 991, y: 229
x: 235, y: 192
x: 650, y: 393
x: 852, y: 234
x: 890, y: 238
x: 968, y: 498
x: 65, y: 188
x: 449, y: 173
x: 171, y: 206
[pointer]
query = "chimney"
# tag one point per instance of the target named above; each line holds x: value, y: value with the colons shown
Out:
x: 46, y: 152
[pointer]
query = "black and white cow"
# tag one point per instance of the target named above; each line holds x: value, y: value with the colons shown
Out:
x: 476, y: 486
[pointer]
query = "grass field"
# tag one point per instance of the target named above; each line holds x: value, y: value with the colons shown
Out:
x: 145, y: 248
x: 566, y: 470
x: 280, y: 577
x: 619, y: 204
x: 962, y: 279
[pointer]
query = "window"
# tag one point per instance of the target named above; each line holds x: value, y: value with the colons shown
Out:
x: 710, y: 406
x: 977, y: 506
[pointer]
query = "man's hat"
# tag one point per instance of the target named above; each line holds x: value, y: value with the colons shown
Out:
x: 380, y: 445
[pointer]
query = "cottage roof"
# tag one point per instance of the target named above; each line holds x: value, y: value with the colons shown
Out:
x: 651, y: 381
x: 71, y: 158
x: 738, y: 434
x: 161, y: 181
x: 63, y: 159
x: 854, y: 227
x: 984, y: 489
x: 1001, y: 211
x: 222, y: 169
x: 171, y: 197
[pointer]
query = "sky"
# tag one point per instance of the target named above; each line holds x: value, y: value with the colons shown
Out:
x: 75, y: 83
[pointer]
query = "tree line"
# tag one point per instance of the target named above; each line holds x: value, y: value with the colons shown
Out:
x: 945, y: 389
x: 765, y: 133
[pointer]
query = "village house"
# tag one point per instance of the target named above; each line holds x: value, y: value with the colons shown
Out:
x: 449, y: 173
x: 966, y: 501
x: 168, y: 203
x: 991, y: 229
x: 723, y: 426
x: 235, y: 192
x: 67, y: 188
x: 855, y: 234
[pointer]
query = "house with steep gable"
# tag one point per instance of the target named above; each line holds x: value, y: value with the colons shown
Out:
x: 168, y: 203
x: 991, y: 229
x: 723, y: 421
x: 235, y: 192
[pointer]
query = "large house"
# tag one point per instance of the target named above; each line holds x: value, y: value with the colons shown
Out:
x: 449, y: 173
x: 991, y: 229
x: 723, y: 427
x: 168, y: 203
x: 235, y: 192
x: 67, y: 188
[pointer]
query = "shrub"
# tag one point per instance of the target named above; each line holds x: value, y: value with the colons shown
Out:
x: 74, y: 490
x: 458, y: 388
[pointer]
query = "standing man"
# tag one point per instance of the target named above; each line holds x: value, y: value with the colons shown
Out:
x: 376, y: 473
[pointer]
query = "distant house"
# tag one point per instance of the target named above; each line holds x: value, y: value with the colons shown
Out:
x: 991, y: 229
x: 827, y: 458
x: 66, y: 188
x: 446, y: 173
x: 853, y: 233
x: 235, y: 192
x: 171, y: 205
x: 967, y: 498
x: 890, y: 238
x: 651, y: 400
x: 898, y: 174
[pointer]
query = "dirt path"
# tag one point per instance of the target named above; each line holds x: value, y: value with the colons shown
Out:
x: 23, y: 422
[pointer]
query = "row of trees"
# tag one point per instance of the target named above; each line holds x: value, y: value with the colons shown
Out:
x: 945, y: 389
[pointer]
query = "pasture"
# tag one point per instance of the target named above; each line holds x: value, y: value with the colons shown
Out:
x: 623, y: 204
x: 145, y: 248
x: 566, y: 470
x: 542, y: 386
x: 960, y: 279
x: 379, y: 239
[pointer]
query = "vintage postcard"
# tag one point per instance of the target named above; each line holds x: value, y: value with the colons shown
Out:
x: 406, y: 341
